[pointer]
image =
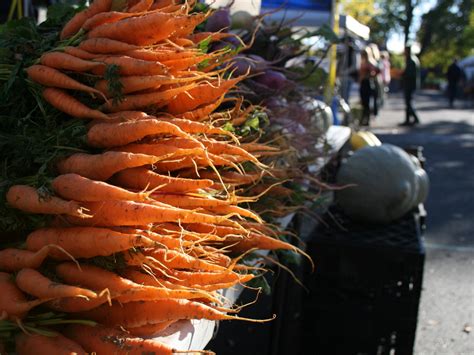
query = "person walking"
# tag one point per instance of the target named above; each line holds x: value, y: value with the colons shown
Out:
x: 385, y: 72
x: 453, y: 75
x: 367, y: 73
x: 410, y: 83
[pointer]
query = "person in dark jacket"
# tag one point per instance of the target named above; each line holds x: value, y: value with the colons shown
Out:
x: 453, y: 75
x: 410, y: 82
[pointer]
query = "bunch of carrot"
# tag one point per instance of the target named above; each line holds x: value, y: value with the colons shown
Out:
x: 154, y: 199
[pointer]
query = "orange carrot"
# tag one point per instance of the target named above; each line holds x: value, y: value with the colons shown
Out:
x: 78, y: 19
x: 160, y: 4
x: 126, y: 290
x: 103, y: 18
x: 185, y: 25
x: 140, y: 6
x: 27, y: 199
x: 80, y: 53
x: 17, y: 259
x: 160, y: 55
x: 202, y: 112
x: 138, y: 83
x: 68, y: 104
x: 203, y: 94
x: 141, y: 178
x: 84, y: 242
x: 128, y: 213
x: 51, y: 77
x: 186, y: 201
x: 61, y: 60
x: 174, y: 259
x: 136, y: 314
x: 107, y: 135
x: 105, y: 46
x: 150, y: 330
x: 130, y: 66
x: 79, y: 188
x: 211, y: 36
x: 103, y: 340
x: 35, y: 284
x: 27, y: 344
x: 76, y: 304
x: 13, y: 303
x: 141, y: 30
x: 140, y: 101
x: 102, y: 166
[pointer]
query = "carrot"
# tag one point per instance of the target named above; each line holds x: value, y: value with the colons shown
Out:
x: 150, y: 330
x: 77, y: 304
x: 61, y: 60
x: 35, y: 284
x: 84, y: 242
x: 74, y: 24
x: 16, y: 259
x: 68, y: 104
x: 47, y: 76
x: 140, y: 6
x: 27, y: 199
x: 105, y: 46
x: 13, y: 303
x: 209, y: 36
x: 160, y: 4
x: 176, y: 260
x: 187, y: 63
x: 128, y: 213
x: 27, y: 344
x: 162, y: 150
x: 200, y: 95
x: 189, y: 161
x: 79, y: 188
x: 126, y: 290
x: 136, y: 314
x: 107, y: 135
x: 103, y: 18
x: 141, y: 178
x: 139, y: 101
x: 141, y: 30
x: 224, y: 210
x: 130, y: 66
x: 138, y: 83
x: 102, y: 166
x: 202, y: 112
x: 102, y: 340
x: 160, y: 55
x: 186, y: 24
x: 186, y: 201
x: 182, y: 42
x: 80, y: 53
x: 190, y: 126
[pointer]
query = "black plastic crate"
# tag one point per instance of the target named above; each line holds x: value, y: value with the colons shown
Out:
x: 364, y: 295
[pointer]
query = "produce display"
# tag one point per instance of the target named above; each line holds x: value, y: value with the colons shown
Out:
x: 384, y: 181
x: 127, y: 172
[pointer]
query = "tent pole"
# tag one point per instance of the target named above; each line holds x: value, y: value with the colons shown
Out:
x: 329, y: 92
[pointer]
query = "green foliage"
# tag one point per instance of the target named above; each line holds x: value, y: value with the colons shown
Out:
x: 446, y: 32
x: 33, y: 135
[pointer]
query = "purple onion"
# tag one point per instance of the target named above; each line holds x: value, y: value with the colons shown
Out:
x: 218, y: 20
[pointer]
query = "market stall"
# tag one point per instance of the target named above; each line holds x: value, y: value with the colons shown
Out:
x: 156, y: 159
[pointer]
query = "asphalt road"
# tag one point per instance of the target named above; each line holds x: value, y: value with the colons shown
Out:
x: 446, y: 316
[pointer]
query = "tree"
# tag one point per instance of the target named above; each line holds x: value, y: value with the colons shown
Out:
x: 446, y: 31
x: 393, y: 16
x: 362, y: 10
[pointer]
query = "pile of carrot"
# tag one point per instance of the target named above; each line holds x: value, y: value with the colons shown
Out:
x: 147, y: 225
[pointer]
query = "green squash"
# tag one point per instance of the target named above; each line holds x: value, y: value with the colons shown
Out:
x: 387, y: 181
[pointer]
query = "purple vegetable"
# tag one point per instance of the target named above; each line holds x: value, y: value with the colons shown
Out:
x: 273, y: 80
x: 218, y: 20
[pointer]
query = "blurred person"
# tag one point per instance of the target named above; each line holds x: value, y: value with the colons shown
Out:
x: 410, y: 83
x: 350, y: 74
x: 385, y: 71
x: 454, y: 76
x: 367, y: 75
x: 377, y: 95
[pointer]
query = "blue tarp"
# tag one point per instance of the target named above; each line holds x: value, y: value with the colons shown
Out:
x: 314, y: 5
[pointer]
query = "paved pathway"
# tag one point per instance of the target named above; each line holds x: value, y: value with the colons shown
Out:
x: 446, y: 318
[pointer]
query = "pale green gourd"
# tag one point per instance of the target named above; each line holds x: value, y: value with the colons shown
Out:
x: 389, y: 183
